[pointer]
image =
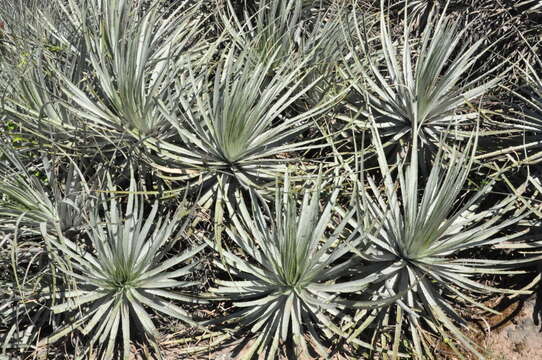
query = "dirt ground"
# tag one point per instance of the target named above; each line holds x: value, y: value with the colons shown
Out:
x: 517, y: 339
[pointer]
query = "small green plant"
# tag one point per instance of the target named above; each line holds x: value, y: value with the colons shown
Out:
x: 121, y: 270
x: 422, y: 234
x: 421, y: 89
x: 386, y: 253
x: 286, y: 285
x: 26, y: 198
x: 234, y: 123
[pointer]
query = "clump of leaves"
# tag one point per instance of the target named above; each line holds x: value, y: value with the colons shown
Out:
x: 34, y: 193
x: 421, y: 90
x: 424, y: 232
x: 286, y: 284
x: 523, y: 126
x: 120, y: 267
x: 233, y: 123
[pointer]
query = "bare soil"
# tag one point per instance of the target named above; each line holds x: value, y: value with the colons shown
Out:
x: 516, y: 338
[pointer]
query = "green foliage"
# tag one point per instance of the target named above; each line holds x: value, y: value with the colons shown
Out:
x: 425, y: 208
x: 36, y: 191
x: 124, y: 267
x: 524, y: 125
x: 422, y: 88
x: 424, y: 233
x: 34, y: 196
x: 286, y: 285
x: 233, y: 123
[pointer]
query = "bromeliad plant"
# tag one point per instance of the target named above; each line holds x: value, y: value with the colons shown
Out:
x: 425, y: 230
x: 296, y: 29
x: 272, y: 25
x: 423, y: 85
x: 287, y: 283
x: 94, y: 87
x: 32, y: 102
x: 134, y: 59
x: 233, y: 124
x: 119, y: 267
x: 35, y: 192
x: 523, y: 127
x: 112, y: 66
